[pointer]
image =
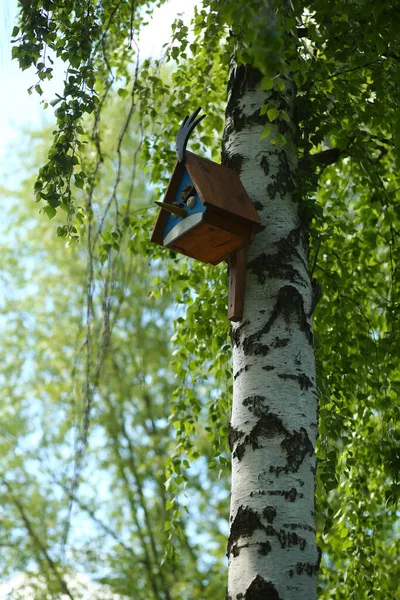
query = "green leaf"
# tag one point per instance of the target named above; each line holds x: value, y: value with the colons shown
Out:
x: 396, y: 130
x: 267, y: 83
x: 279, y: 139
x: 272, y: 114
x: 280, y: 85
x: 49, y: 211
x: 266, y: 132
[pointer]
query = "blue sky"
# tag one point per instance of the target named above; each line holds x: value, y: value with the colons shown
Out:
x: 19, y: 109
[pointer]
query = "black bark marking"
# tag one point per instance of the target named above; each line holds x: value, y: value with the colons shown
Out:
x: 257, y: 493
x: 290, y: 495
x: 297, y: 445
x: 288, y: 540
x: 269, y: 512
x: 235, y: 333
x: 268, y: 368
x: 307, y: 568
x: 252, y: 345
x: 259, y: 206
x: 235, y: 162
x: 246, y: 368
x: 289, y: 304
x: 255, y: 349
x: 299, y: 526
x: 271, y: 190
x: 264, y: 548
x: 279, y: 265
x: 284, y: 179
x: 259, y: 589
x: 265, y: 165
x: 269, y: 425
x: 233, y: 436
x: 245, y: 523
x: 280, y: 342
x: 236, y: 549
x: 242, y: 78
x: 274, y: 266
x: 304, y: 381
x: 255, y: 404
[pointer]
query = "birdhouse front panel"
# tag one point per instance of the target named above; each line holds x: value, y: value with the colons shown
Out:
x: 188, y: 200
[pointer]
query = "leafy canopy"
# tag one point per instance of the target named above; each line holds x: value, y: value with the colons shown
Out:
x: 344, y: 59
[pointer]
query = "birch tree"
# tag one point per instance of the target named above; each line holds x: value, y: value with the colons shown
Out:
x: 312, y: 127
x: 272, y: 550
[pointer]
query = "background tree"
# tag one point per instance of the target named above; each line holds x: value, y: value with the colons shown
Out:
x: 85, y: 339
x: 341, y: 64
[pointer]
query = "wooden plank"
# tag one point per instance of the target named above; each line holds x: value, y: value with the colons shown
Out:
x: 207, y: 243
x: 220, y: 187
x: 237, y: 274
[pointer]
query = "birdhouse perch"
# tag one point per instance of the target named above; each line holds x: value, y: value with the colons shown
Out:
x: 206, y: 214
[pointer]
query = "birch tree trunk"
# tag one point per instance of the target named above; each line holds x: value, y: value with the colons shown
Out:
x: 272, y: 550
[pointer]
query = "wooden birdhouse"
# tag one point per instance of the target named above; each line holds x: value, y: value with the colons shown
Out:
x: 206, y: 213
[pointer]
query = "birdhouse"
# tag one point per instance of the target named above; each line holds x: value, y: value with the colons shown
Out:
x: 206, y: 213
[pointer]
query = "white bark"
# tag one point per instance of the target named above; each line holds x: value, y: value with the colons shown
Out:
x: 272, y: 550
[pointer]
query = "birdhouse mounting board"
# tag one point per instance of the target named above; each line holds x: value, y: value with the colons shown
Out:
x: 207, y: 215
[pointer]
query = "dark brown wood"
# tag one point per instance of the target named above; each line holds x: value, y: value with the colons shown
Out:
x: 237, y: 275
x: 207, y: 243
x: 229, y: 222
x: 220, y: 187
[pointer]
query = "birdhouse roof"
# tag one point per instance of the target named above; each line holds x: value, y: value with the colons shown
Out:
x: 220, y: 187
x: 217, y: 187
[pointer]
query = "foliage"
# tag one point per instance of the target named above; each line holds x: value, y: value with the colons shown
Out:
x: 343, y: 58
x: 95, y: 367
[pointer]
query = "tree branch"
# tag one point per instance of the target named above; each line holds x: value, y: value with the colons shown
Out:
x: 34, y: 537
x: 324, y: 158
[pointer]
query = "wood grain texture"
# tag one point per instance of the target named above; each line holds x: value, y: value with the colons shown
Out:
x: 229, y: 222
x: 220, y: 187
x: 237, y: 274
x: 207, y: 243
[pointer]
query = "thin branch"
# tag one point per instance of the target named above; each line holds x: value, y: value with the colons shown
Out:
x: 325, y: 158
x: 340, y: 73
x: 37, y: 542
